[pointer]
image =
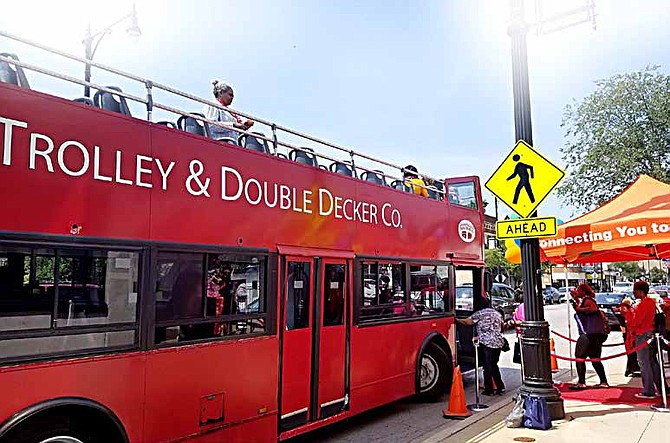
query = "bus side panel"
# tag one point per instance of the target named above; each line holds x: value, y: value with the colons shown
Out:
x: 262, y: 430
x: 37, y: 200
x: 383, y: 361
x: 116, y: 382
x: 180, y: 380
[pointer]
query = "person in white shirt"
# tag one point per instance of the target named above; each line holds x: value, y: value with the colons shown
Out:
x: 224, y: 94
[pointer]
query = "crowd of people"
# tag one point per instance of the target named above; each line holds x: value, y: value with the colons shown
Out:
x: 643, y: 317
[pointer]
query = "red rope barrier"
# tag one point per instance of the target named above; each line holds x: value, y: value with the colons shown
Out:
x: 575, y: 341
x: 609, y: 357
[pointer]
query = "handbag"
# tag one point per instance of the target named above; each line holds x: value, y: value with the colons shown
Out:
x: 536, y: 415
x: 659, y: 321
x: 505, y: 346
x: 516, y: 357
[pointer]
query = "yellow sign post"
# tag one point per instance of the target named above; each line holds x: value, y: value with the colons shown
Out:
x: 524, y: 179
x: 526, y: 227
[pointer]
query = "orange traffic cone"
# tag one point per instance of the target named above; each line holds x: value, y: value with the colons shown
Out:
x: 552, y: 350
x: 457, y: 407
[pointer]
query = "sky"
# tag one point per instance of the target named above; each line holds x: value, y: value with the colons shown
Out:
x: 425, y: 82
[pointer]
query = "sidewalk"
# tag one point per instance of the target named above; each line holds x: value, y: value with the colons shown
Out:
x: 586, y: 419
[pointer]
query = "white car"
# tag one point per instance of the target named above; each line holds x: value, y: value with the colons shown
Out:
x: 623, y: 287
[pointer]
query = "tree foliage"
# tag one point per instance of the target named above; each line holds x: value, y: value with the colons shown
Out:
x: 629, y: 269
x: 657, y: 275
x: 620, y: 131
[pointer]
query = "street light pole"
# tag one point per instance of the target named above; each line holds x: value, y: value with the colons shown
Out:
x: 537, y: 379
x: 90, y: 49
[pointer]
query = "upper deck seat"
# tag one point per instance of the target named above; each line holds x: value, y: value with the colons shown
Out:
x: 306, y: 158
x: 13, y: 74
x: 375, y: 176
x: 257, y: 144
x: 230, y: 140
x: 84, y: 100
x: 167, y: 123
x: 439, y: 186
x: 111, y: 102
x: 400, y: 185
x: 343, y: 168
x: 193, y: 125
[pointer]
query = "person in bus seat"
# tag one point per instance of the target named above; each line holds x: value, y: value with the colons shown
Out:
x: 385, y: 290
x: 416, y: 183
x: 187, y: 297
x: 224, y: 94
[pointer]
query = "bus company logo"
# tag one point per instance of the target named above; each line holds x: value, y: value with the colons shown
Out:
x: 466, y: 230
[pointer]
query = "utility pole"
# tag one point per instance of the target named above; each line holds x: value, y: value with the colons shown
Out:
x: 537, y: 380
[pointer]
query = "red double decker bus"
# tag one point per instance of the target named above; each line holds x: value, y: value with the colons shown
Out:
x: 158, y: 285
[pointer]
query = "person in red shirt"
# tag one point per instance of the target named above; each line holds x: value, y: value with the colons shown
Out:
x: 641, y: 326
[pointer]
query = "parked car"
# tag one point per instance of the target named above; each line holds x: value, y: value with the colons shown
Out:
x: 662, y: 290
x: 608, y: 300
x: 564, y: 293
x: 502, y: 300
x: 551, y: 295
x: 623, y: 286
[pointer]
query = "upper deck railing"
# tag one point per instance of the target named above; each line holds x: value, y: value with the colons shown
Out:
x: 373, y: 169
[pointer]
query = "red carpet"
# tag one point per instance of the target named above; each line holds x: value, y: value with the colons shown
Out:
x: 613, y: 395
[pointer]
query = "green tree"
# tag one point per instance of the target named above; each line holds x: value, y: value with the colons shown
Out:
x: 657, y: 275
x: 615, y: 134
x: 629, y: 269
x: 495, y: 259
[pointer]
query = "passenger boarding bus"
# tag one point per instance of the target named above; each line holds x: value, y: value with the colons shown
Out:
x: 159, y: 285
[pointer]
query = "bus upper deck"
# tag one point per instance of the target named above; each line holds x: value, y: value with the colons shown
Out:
x: 180, y: 176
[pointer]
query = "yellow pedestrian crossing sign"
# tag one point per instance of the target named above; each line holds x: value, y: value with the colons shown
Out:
x: 524, y: 179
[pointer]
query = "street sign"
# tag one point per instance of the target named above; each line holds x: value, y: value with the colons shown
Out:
x: 526, y: 227
x: 500, y: 278
x: 524, y: 179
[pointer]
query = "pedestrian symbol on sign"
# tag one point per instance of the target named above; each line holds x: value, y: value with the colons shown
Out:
x: 522, y: 171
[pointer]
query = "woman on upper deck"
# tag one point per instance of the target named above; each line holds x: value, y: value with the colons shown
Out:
x: 224, y: 95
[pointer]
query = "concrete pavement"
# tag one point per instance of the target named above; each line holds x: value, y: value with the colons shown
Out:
x: 585, y: 421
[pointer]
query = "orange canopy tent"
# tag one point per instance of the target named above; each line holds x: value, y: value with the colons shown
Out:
x: 635, y: 225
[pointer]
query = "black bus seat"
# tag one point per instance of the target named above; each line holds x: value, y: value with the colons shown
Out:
x: 343, y: 168
x: 84, y: 100
x: 375, y: 176
x: 306, y: 158
x: 193, y: 125
x: 12, y: 74
x: 257, y: 144
x: 111, y: 102
x: 167, y: 123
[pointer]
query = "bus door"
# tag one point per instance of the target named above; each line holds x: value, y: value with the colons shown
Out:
x: 314, y: 333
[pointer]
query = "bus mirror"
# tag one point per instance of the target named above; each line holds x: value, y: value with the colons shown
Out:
x: 488, y: 281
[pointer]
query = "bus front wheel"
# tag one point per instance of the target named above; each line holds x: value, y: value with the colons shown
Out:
x: 57, y: 429
x: 434, y: 376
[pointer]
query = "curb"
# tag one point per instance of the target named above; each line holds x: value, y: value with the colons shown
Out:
x: 495, y: 406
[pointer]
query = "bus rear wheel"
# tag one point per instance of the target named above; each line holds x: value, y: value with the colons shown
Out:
x: 435, y: 372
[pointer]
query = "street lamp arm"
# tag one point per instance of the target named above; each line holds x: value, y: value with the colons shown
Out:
x: 100, y: 36
x: 107, y: 29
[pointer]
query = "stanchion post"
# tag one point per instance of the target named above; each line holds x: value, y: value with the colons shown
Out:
x: 476, y: 406
x: 518, y: 339
x: 662, y: 407
x: 567, y: 304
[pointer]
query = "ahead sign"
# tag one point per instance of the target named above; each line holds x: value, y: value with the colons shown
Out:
x: 526, y: 227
